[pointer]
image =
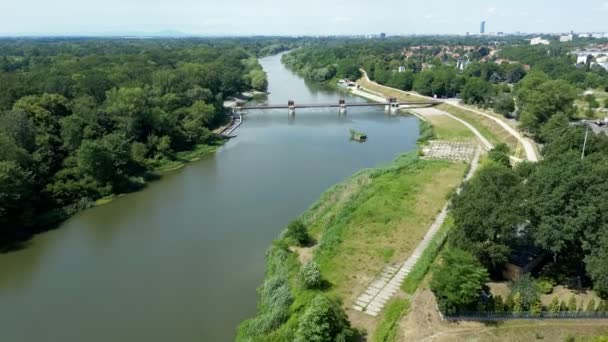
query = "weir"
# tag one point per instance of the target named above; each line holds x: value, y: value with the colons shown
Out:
x: 391, y: 105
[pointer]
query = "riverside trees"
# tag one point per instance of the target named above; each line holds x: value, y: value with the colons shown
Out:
x: 82, y: 119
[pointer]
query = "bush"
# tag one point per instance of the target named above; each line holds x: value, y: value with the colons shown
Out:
x: 310, y: 276
x: 323, y: 321
x: 554, y: 305
x: 536, y: 308
x: 528, y: 290
x: 517, y: 303
x: 545, y: 286
x: 426, y: 132
x: 572, y: 303
x: 297, y: 231
x: 591, y: 305
x: 499, y: 305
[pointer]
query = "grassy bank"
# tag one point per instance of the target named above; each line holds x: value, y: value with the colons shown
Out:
x: 388, y: 327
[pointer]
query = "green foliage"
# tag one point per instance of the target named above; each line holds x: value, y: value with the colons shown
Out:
x: 528, y: 290
x: 499, y: 304
x: 485, y: 216
x: 310, y: 276
x: 477, y: 91
x: 591, y: 306
x: 545, y: 286
x: 554, y: 306
x: 572, y: 303
x: 504, y: 104
x: 426, y: 132
x: 297, y: 231
x: 323, y: 321
x: 536, y: 308
x: 387, y: 328
x: 500, y: 155
x: 82, y: 119
x: 517, y: 303
x: 458, y: 280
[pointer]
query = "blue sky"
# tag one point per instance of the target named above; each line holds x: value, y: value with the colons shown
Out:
x: 304, y: 17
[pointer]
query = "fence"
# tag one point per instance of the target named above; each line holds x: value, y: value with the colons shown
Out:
x: 505, y: 316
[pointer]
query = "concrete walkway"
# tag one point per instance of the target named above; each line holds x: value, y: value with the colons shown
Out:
x: 388, y: 283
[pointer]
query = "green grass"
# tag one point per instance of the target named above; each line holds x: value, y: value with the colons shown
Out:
x: 377, y: 217
x: 420, y: 269
x: 387, y: 328
x: 486, y: 126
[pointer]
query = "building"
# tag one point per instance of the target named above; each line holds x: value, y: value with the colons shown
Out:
x: 382, y: 35
x: 565, y: 38
x: 538, y: 41
x: 582, y: 59
x: 482, y: 29
x: 462, y: 63
x: 402, y: 69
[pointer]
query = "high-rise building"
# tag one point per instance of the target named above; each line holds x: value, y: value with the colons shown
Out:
x: 482, y: 30
x: 382, y: 35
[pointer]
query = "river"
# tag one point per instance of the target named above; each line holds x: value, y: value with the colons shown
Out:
x: 181, y: 260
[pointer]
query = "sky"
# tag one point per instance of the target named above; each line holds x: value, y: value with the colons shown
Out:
x: 303, y: 17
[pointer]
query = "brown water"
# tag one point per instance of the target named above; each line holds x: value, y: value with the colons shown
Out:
x: 181, y: 260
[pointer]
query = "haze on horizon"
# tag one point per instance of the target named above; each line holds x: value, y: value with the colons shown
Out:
x: 311, y: 17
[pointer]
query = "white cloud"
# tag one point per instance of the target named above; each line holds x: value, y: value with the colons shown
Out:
x: 491, y: 10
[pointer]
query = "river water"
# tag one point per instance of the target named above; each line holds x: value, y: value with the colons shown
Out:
x: 181, y: 260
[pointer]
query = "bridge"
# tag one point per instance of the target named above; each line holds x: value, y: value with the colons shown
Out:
x: 390, y: 105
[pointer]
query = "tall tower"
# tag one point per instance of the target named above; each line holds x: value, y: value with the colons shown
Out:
x: 482, y: 30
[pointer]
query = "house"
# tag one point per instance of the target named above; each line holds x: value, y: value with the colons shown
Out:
x: 401, y: 69
x: 582, y: 59
x: 565, y: 38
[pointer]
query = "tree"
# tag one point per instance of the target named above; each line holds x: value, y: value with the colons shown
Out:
x: 517, y: 303
x: 486, y: 215
x: 323, y: 321
x: 297, y: 231
x: 596, y: 263
x: 554, y: 305
x: 536, y: 308
x: 15, y: 190
x: 500, y: 155
x: 476, y: 91
x: 504, y: 104
x: 458, y: 280
x: 572, y: 303
x: 528, y: 290
x: 310, y: 275
x: 499, y: 305
x: 590, y: 306
x: 259, y: 80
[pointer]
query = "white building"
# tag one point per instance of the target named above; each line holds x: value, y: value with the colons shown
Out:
x: 565, y: 38
x: 582, y: 59
x: 538, y: 41
x: 402, y: 69
x: 597, y: 35
x: 584, y: 35
x: 462, y: 63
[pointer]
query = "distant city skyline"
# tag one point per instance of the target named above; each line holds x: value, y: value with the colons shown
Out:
x: 312, y: 17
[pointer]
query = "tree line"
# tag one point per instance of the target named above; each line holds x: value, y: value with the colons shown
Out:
x: 81, y: 119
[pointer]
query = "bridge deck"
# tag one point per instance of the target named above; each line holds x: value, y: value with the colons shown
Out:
x: 337, y: 105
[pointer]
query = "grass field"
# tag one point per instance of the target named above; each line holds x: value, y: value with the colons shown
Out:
x: 378, y: 217
x: 388, y: 327
x: 486, y: 126
x: 390, y: 92
x: 446, y: 128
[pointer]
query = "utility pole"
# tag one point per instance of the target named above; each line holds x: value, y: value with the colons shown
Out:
x: 585, y: 142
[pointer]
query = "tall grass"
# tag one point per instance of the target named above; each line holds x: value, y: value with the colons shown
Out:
x: 387, y: 329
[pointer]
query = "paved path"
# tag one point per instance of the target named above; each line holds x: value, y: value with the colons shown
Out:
x: 388, y: 283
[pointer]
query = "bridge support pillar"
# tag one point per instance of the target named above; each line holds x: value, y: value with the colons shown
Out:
x: 291, y: 105
x: 394, y: 108
x: 342, y: 106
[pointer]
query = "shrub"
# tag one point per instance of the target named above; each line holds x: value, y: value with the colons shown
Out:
x: 554, y: 306
x: 324, y: 320
x: 528, y: 290
x: 509, y: 303
x: 310, y: 276
x: 536, y: 308
x: 517, y: 303
x: 297, y: 231
x: 602, y: 307
x: 545, y: 286
x: 572, y: 303
x: 499, y: 305
x: 591, y: 305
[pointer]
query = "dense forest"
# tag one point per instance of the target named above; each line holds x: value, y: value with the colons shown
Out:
x: 81, y: 119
